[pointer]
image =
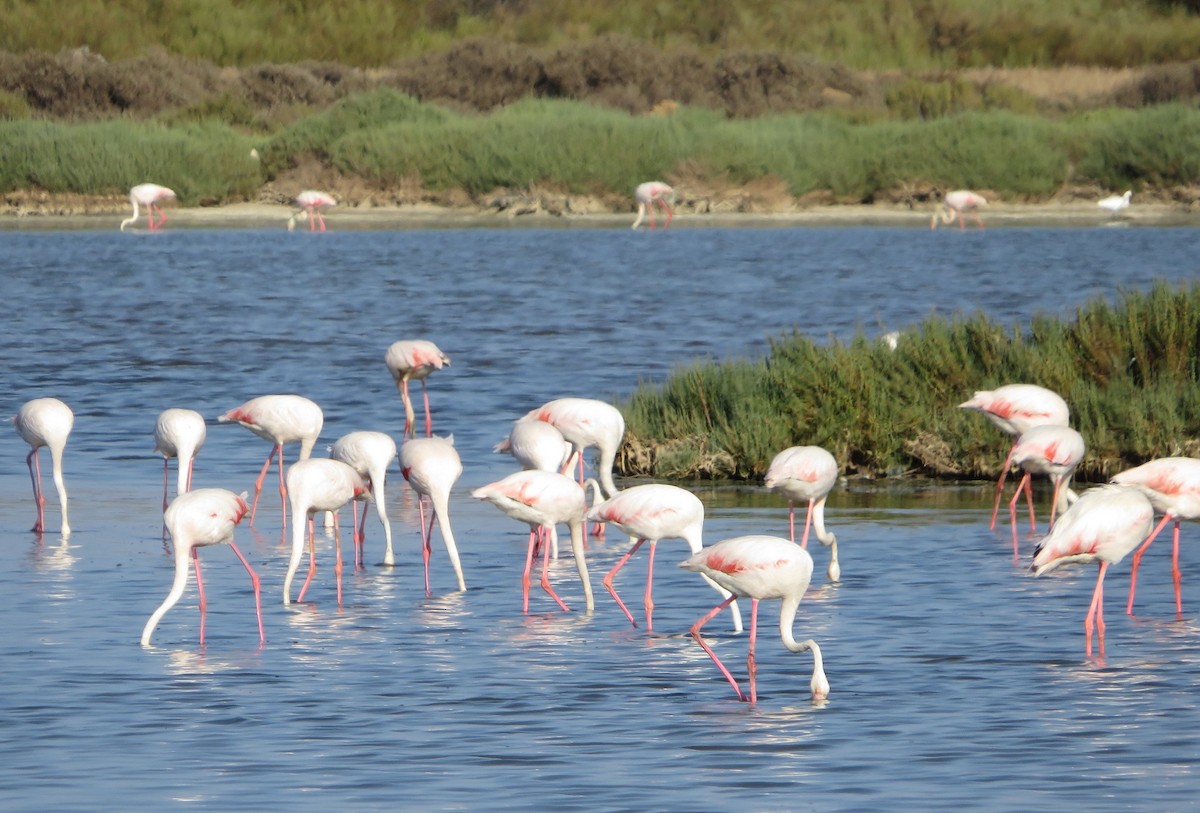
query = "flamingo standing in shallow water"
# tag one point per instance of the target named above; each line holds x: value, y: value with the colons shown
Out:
x: 311, y: 202
x: 543, y: 499
x: 1052, y: 450
x: 1015, y: 409
x: 957, y: 204
x: 585, y: 422
x: 807, y: 473
x: 1103, y: 525
x: 148, y: 195
x: 317, y: 484
x: 536, y: 445
x: 46, y: 422
x: 280, y: 419
x: 1173, y: 486
x: 432, y: 467
x: 369, y: 454
x: 650, y: 195
x: 206, y: 516
x: 757, y: 568
x: 414, y: 360
x: 179, y: 434
x: 649, y: 513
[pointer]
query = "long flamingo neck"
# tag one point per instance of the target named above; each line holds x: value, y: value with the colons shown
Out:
x: 176, y: 592
x: 787, y: 616
x: 132, y: 219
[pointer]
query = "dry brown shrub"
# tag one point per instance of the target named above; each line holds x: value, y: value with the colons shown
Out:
x: 156, y: 82
x: 285, y: 85
x: 72, y: 85
x: 478, y: 74
x: 758, y: 84
x: 1178, y: 82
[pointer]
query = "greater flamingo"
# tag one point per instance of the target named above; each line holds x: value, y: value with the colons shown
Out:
x: 650, y: 195
x: 369, y: 454
x: 807, y: 473
x: 1015, y: 409
x: 1113, y: 204
x: 1103, y: 525
x: 649, y: 513
x: 543, y: 499
x: 317, y: 484
x: 1055, y: 451
x: 536, y: 445
x: 1173, y: 486
x: 280, y: 419
x: 956, y: 205
x: 311, y: 202
x: 585, y: 422
x: 414, y: 360
x: 206, y: 516
x: 148, y: 195
x: 179, y: 434
x: 432, y: 467
x: 760, y: 567
x: 46, y: 422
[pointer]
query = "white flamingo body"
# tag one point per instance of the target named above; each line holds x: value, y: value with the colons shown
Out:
x: 317, y: 484
x: 1114, y: 204
x: 585, y: 422
x: 650, y: 195
x: 414, y: 360
x: 807, y: 474
x: 649, y: 513
x: 179, y: 433
x: 1055, y: 451
x: 956, y: 205
x: 1172, y: 484
x: 148, y: 195
x: 370, y: 454
x: 311, y: 202
x: 1015, y: 409
x: 760, y: 567
x: 536, y: 444
x: 46, y: 422
x: 543, y: 499
x: 205, y: 516
x: 1103, y: 525
x: 281, y: 419
x: 432, y: 466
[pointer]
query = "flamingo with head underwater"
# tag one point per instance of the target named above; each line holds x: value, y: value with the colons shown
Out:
x: 956, y: 205
x: 46, y: 422
x: 311, y: 202
x: 807, y: 473
x: 369, y: 454
x: 414, y: 360
x: 317, y: 484
x: 148, y: 195
x: 650, y: 195
x: 432, y: 466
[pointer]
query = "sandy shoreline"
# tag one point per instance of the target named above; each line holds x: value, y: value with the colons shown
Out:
x: 265, y: 215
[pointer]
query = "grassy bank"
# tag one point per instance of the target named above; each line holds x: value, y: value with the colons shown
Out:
x: 394, y: 145
x: 1130, y: 372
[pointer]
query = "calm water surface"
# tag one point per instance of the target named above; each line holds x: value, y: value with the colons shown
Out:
x: 959, y: 682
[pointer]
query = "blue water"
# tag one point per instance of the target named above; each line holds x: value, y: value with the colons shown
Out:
x: 959, y: 682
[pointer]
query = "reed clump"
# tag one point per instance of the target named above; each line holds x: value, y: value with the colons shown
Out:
x: 1129, y: 368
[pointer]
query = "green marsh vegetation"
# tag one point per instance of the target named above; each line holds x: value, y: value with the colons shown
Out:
x: 1128, y: 368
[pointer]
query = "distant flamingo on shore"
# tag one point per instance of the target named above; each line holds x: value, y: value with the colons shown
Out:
x: 956, y: 205
x: 311, y: 202
x: 148, y: 195
x: 46, y: 422
x: 650, y: 195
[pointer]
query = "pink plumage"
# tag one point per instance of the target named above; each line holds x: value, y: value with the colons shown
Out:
x: 311, y: 202
x: 414, y: 360
x: 651, y: 195
x: 432, y: 466
x: 807, y: 473
x: 318, y: 484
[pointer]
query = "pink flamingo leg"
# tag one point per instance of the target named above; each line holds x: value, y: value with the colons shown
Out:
x: 1000, y: 486
x: 546, y: 578
x: 312, y: 559
x: 35, y: 474
x: 1176, y: 576
x: 1029, y: 502
x: 254, y: 580
x: 525, y: 577
x: 751, y: 664
x: 807, y: 524
x: 1012, y: 512
x: 361, y: 539
x: 608, y: 579
x: 337, y: 563
x: 1137, y: 561
x: 258, y: 484
x: 695, y: 632
x: 1095, y: 616
x: 649, y: 584
x: 200, y: 591
x: 426, y: 539
x: 282, y: 489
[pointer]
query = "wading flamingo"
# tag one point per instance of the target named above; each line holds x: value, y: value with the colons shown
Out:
x: 1015, y: 409
x: 536, y: 445
x: 179, y: 434
x: 369, y: 454
x: 1173, y: 486
x: 318, y: 484
x: 1055, y: 451
x: 585, y: 422
x: 148, y: 195
x: 413, y: 360
x: 432, y: 467
x: 649, y: 513
x: 543, y: 499
x: 1103, y: 525
x: 757, y: 568
x: 206, y: 516
x: 807, y: 473
x: 650, y: 195
x: 46, y: 422
x: 1113, y: 204
x: 280, y: 419
x: 956, y: 205
x: 311, y: 202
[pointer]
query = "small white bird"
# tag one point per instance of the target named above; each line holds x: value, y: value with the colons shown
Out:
x: 1115, y: 203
